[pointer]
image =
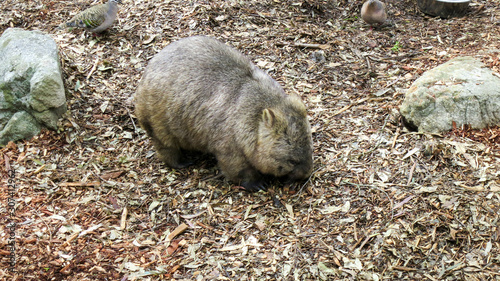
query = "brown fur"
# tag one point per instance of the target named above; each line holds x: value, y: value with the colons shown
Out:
x: 199, y: 94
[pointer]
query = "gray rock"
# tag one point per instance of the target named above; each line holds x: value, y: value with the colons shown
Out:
x: 31, y: 88
x: 20, y: 126
x: 462, y: 90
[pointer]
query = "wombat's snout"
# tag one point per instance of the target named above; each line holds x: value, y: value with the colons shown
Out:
x: 301, y: 171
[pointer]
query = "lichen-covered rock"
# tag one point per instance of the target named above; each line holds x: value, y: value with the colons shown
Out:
x: 462, y: 90
x: 19, y: 126
x: 31, y: 87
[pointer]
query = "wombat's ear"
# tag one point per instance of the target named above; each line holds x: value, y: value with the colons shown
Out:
x: 296, y: 101
x: 271, y: 118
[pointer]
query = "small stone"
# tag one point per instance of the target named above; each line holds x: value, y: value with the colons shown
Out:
x: 318, y: 56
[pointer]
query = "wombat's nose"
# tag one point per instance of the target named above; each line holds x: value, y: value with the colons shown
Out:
x: 301, y: 172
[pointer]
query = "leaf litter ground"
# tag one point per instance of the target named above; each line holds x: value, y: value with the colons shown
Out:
x: 94, y: 202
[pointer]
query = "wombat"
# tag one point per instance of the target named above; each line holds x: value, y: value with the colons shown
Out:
x: 199, y: 94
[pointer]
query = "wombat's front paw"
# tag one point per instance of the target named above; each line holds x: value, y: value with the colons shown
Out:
x: 184, y: 162
x: 254, y: 186
x: 181, y: 162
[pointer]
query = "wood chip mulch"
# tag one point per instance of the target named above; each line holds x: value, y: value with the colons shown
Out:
x: 92, y: 201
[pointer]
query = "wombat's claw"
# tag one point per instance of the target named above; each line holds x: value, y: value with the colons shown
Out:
x: 293, y: 185
x: 254, y: 186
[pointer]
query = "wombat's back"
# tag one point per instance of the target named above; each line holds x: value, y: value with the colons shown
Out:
x: 197, y: 83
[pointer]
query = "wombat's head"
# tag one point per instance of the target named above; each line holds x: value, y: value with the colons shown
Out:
x: 284, y: 144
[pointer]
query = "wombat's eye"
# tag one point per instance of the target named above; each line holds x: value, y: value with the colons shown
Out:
x: 293, y: 162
